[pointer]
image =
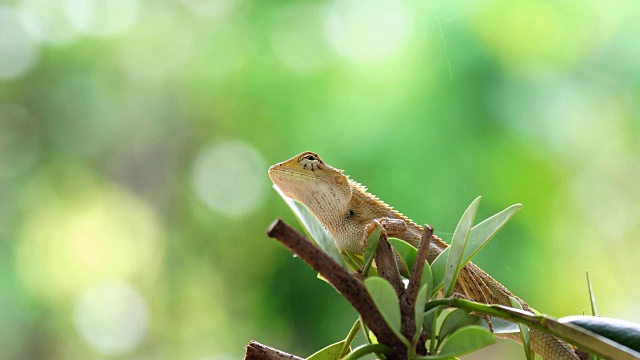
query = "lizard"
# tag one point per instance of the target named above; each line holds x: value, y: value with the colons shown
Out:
x: 350, y: 213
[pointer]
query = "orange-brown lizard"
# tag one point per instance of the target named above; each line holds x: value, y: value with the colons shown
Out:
x: 348, y: 212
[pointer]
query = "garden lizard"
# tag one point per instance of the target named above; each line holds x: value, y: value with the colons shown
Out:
x: 349, y: 213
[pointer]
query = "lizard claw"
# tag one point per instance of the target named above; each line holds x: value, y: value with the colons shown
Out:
x: 373, y: 225
x: 370, y: 228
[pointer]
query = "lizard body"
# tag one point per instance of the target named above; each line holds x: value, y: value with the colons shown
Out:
x: 347, y: 211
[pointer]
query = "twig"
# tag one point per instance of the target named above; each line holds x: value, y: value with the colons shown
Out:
x: 257, y: 351
x: 388, y: 269
x: 352, y: 290
x: 418, y: 265
x: 387, y: 266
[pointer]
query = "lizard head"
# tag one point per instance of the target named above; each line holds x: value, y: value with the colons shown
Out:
x: 309, y: 180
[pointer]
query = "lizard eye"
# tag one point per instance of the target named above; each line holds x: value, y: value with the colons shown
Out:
x: 310, y: 161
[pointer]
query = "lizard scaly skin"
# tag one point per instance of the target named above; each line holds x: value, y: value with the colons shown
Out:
x: 347, y: 210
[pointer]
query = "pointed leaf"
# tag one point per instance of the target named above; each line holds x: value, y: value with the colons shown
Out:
x: 421, y: 300
x: 352, y: 261
x: 464, y: 341
x: 484, y: 231
x: 330, y: 352
x: 438, y: 269
x: 372, y: 243
x: 428, y: 318
x: 427, y: 278
x: 524, y: 331
x: 406, y: 251
x: 459, y: 318
x: 370, y: 251
x: 458, y: 245
x: 386, y: 300
x: 314, y: 229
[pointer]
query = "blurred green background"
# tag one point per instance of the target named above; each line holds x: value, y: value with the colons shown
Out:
x: 135, y: 138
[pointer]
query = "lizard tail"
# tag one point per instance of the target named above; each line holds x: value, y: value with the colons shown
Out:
x: 546, y: 345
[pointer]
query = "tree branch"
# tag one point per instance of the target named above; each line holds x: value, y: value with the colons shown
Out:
x: 388, y: 269
x: 418, y: 265
x: 257, y: 351
x: 352, y: 289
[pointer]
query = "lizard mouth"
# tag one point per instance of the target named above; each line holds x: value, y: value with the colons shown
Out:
x: 276, y: 170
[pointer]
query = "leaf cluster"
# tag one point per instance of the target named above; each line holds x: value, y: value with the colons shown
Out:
x: 440, y: 333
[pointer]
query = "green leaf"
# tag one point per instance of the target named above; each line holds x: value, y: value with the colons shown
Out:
x: 428, y: 318
x: 363, y: 350
x: 484, y: 231
x: 352, y: 261
x: 331, y: 352
x: 502, y: 326
x: 464, y: 341
x: 386, y: 300
x: 314, y: 229
x: 370, y: 250
x: 427, y: 278
x: 478, y: 238
x: 524, y: 331
x: 458, y: 319
x: 623, y: 332
x: 573, y: 334
x: 438, y: 269
x: 421, y: 300
x: 458, y: 245
x: 406, y: 251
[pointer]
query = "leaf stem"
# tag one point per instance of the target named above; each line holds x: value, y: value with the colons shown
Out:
x: 347, y: 342
x: 367, y: 349
x: 434, y: 325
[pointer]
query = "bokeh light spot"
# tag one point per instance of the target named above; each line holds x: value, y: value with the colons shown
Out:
x: 99, y: 231
x: 18, y: 51
x: 367, y: 30
x: 48, y: 22
x: 102, y: 18
x: 112, y: 316
x: 525, y: 33
x: 229, y: 177
x: 210, y: 8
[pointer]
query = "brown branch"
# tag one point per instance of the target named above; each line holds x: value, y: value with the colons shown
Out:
x: 257, y: 351
x: 352, y: 289
x: 387, y: 266
x: 388, y: 269
x: 418, y: 265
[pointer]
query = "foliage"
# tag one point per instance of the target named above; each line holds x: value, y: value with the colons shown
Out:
x: 112, y: 114
x: 448, y: 334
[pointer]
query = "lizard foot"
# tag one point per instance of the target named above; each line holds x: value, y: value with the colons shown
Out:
x: 390, y: 227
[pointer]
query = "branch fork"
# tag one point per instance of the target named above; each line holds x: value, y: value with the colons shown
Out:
x: 354, y: 291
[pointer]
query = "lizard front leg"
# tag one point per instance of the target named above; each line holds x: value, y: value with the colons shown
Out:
x: 390, y: 226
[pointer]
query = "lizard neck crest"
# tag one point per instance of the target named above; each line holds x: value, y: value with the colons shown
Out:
x: 362, y: 192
